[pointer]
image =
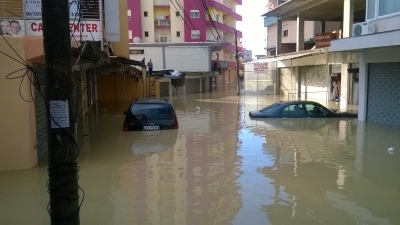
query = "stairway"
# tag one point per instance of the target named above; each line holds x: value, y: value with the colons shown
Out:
x: 152, y: 86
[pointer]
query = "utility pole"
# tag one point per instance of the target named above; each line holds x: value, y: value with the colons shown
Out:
x: 62, y: 169
x: 237, y: 65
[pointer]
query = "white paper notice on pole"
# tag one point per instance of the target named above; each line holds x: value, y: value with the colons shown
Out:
x: 59, y: 113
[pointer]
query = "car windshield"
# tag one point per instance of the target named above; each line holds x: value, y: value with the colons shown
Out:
x: 151, y: 111
x: 269, y: 108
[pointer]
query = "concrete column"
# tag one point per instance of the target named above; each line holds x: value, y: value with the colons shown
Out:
x: 279, y: 37
x: 362, y: 87
x: 344, y: 87
x: 170, y: 88
x: 300, y: 32
x: 298, y: 78
x: 208, y: 83
x: 348, y: 18
x: 200, y: 83
x: 360, y: 149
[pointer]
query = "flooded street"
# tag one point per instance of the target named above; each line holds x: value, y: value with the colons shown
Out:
x: 220, y: 167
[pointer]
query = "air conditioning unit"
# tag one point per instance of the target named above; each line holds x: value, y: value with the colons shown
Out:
x: 363, y: 28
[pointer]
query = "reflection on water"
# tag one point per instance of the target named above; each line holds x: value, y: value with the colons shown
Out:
x: 220, y: 167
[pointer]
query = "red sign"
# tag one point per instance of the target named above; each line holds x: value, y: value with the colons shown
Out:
x: 260, y: 67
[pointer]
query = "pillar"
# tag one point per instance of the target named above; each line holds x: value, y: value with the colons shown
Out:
x: 344, y: 87
x: 362, y: 87
x: 279, y: 37
x: 348, y: 18
x: 323, y: 23
x: 300, y: 32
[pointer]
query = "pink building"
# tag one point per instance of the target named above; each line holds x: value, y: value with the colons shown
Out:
x: 201, y: 22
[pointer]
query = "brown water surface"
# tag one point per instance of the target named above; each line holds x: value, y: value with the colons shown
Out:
x: 220, y: 167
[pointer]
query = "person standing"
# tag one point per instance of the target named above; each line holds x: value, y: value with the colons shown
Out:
x: 150, y: 66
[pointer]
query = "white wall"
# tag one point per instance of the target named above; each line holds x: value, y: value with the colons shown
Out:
x: 153, y: 53
x: 193, y: 59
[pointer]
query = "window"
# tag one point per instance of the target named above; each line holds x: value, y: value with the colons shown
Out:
x: 177, y: 13
x: 195, y: 34
x: 382, y: 8
x: 130, y: 34
x: 178, y: 33
x: 146, y: 33
x: 285, y: 33
x: 387, y: 7
x: 145, y: 14
x: 194, y: 14
x: 163, y: 39
x: 129, y: 13
x: 295, y: 110
x: 315, y: 110
x: 216, y: 17
x: 136, y: 52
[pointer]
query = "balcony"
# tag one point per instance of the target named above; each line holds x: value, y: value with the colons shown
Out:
x: 162, y: 23
x: 239, y: 2
x: 324, y: 39
x: 161, y: 6
x: 223, y: 27
x: 224, y: 8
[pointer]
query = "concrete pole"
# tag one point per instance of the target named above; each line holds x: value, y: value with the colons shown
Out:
x: 63, y: 151
x: 300, y: 32
x: 348, y: 17
x: 279, y: 37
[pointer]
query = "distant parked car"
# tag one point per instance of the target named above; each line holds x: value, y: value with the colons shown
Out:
x: 150, y: 114
x: 298, y: 109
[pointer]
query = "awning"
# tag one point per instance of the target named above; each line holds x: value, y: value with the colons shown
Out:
x: 288, y: 56
x: 88, y: 55
x: 316, y: 10
x: 126, y: 61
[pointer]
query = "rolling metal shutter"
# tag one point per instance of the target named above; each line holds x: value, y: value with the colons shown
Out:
x: 40, y: 114
x: 11, y: 9
x: 383, y: 94
x: 192, y: 85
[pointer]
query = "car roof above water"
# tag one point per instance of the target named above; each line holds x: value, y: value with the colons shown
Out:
x: 151, y: 100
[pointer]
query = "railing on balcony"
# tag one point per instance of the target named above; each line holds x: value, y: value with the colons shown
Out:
x: 162, y: 23
x: 324, y: 39
x: 224, y: 8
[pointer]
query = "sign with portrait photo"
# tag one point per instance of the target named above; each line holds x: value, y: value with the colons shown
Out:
x: 90, y: 30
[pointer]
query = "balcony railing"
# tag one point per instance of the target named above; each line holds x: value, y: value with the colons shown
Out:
x: 162, y: 23
x: 224, y: 8
x: 324, y: 39
x: 223, y: 27
x: 239, y: 2
x: 161, y: 6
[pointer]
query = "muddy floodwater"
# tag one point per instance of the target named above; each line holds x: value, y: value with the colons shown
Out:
x: 220, y: 167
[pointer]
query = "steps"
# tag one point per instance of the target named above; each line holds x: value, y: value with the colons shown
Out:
x: 152, y: 86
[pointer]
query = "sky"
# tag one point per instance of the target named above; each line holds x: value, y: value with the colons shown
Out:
x: 252, y: 25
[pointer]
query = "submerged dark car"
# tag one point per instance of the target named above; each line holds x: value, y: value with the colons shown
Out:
x: 298, y: 109
x: 149, y: 114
